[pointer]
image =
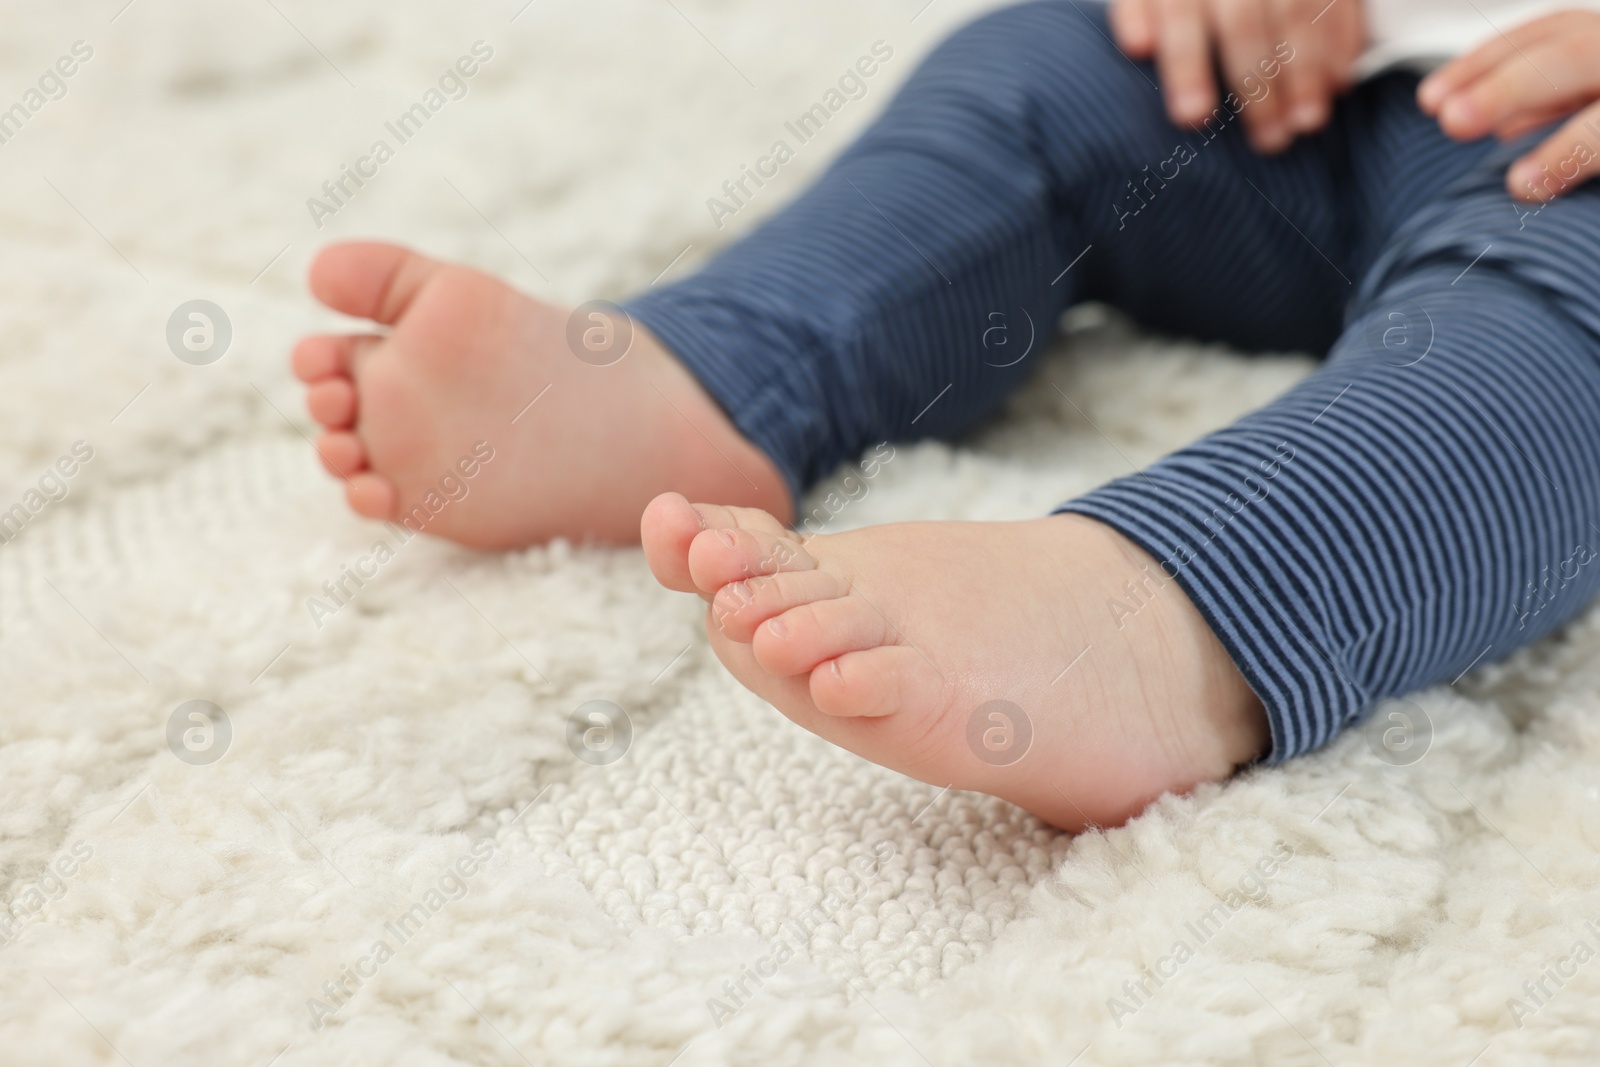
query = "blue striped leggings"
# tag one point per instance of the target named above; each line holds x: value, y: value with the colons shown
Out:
x: 1428, y: 499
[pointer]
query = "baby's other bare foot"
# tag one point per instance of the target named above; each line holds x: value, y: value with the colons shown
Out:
x: 986, y: 656
x: 471, y: 375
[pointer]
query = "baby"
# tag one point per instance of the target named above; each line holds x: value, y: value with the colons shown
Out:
x: 1290, y: 186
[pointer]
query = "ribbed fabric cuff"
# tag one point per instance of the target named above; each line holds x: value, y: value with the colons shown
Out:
x: 748, y: 365
x: 1214, y: 518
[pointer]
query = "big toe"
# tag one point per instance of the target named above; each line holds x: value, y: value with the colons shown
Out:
x: 671, y: 525
x: 666, y: 528
x: 370, y: 279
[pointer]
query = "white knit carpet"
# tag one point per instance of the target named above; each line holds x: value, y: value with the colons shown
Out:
x: 172, y: 914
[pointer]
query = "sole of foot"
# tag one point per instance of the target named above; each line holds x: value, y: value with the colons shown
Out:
x: 982, y: 656
x: 461, y: 373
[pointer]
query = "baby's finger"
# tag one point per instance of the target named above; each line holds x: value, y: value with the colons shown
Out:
x: 1183, y: 59
x: 1538, y: 81
x: 1487, y: 58
x: 1462, y: 71
x: 1530, y: 120
x: 1242, y: 36
x: 1133, y: 24
x: 1344, y: 24
x: 1307, y: 105
x: 1562, y: 162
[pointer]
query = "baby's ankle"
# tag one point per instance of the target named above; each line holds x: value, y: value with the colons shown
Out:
x: 741, y: 473
x: 1223, y: 724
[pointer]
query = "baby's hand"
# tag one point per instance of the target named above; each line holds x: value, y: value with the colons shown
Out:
x: 1325, y: 39
x: 1519, y: 81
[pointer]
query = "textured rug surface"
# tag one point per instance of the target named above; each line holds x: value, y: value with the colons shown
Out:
x: 388, y: 851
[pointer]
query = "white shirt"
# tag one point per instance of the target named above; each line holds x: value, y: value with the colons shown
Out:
x: 1421, y: 34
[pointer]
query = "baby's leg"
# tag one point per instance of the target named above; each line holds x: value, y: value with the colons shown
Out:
x: 1020, y: 170
x: 1025, y: 166
x: 473, y: 416
x: 984, y: 656
x: 1428, y: 500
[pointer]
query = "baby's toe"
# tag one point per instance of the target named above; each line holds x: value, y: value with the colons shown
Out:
x: 333, y: 403
x: 317, y: 357
x: 739, y: 607
x: 371, y: 280
x: 720, y: 556
x: 799, y: 639
x: 372, y: 495
x: 666, y: 528
x: 342, y: 454
x: 717, y: 517
x: 875, y: 682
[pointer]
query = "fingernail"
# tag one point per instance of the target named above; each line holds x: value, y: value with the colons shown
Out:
x: 1191, y: 106
x: 833, y: 666
x: 726, y: 537
x: 1308, y: 115
x: 1525, y: 175
x: 1429, y: 92
x: 777, y: 628
x: 1458, y: 111
x: 698, y: 517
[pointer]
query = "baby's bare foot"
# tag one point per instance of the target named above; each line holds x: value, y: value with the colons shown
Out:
x: 453, y: 377
x: 986, y: 656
